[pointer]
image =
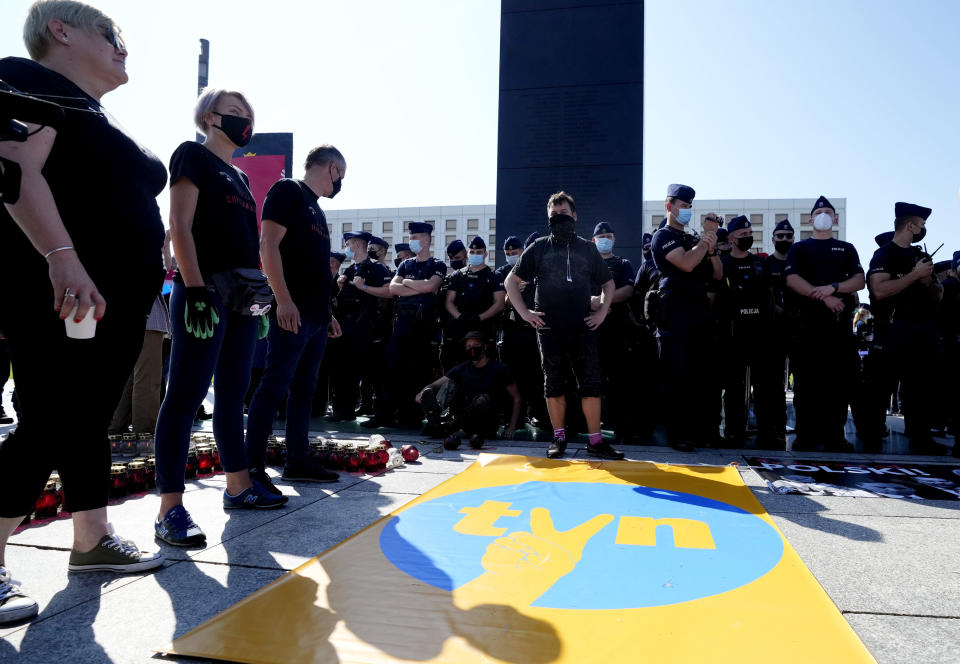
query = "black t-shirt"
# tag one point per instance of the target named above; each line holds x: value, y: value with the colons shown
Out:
x: 353, y: 301
x: 673, y: 280
x: 565, y: 276
x: 420, y: 270
x: 747, y: 292
x: 493, y: 379
x: 105, y: 187
x: 225, y: 220
x: 305, y: 247
x: 474, y: 290
x: 949, y: 312
x: 821, y: 263
x: 916, y: 302
x: 621, y: 271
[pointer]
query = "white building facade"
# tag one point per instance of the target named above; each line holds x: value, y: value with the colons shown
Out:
x: 464, y: 221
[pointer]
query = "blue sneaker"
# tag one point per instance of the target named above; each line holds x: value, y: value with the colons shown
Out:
x: 178, y: 529
x: 256, y: 497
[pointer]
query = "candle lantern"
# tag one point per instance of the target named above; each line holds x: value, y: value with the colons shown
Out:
x: 204, y: 459
x: 215, y: 451
x: 116, y: 444
x: 119, y: 480
x: 144, y: 444
x: 48, y: 501
x: 190, y: 470
x: 353, y: 460
x: 137, y: 472
x: 129, y: 445
x: 410, y: 453
x: 151, y: 471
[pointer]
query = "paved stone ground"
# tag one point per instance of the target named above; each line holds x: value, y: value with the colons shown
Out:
x: 891, y: 566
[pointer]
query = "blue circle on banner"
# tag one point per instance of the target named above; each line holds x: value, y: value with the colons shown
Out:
x: 663, y: 566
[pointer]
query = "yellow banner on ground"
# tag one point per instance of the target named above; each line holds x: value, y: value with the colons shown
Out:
x: 530, y: 561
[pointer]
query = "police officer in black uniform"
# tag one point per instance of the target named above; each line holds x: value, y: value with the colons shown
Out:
x: 687, y: 265
x: 615, y: 339
x: 474, y: 299
x: 949, y: 323
x: 748, y: 310
x: 518, y: 341
x: 902, y: 276
x: 371, y: 381
x: 401, y: 252
x: 785, y: 309
x: 412, y: 354
x: 826, y: 273
x: 645, y: 387
x: 364, y: 284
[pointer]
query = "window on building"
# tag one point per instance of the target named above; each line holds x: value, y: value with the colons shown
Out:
x: 449, y: 239
x: 805, y: 219
x: 473, y: 224
x: 388, y: 239
x: 757, y: 238
x: 781, y: 216
x: 431, y: 222
x: 347, y: 227
x: 655, y: 222
x: 493, y: 224
x: 756, y: 219
x: 387, y: 226
x: 368, y: 226
x: 451, y: 224
x: 406, y: 225
x: 836, y: 235
x: 329, y: 229
x: 806, y: 235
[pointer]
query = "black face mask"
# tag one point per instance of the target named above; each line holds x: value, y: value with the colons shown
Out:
x: 783, y: 246
x: 458, y: 265
x: 744, y: 243
x: 919, y: 236
x: 336, y: 186
x: 397, y: 261
x: 238, y: 130
x: 562, y: 227
x: 475, y: 353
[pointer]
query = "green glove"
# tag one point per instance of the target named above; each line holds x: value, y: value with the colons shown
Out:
x: 263, y: 326
x: 200, y: 314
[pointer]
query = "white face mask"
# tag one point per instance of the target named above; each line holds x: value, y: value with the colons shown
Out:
x: 822, y: 222
x: 512, y: 260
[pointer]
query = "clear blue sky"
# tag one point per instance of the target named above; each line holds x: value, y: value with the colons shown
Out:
x: 744, y: 98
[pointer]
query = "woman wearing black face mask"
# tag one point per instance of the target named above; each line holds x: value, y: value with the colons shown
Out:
x: 213, y: 225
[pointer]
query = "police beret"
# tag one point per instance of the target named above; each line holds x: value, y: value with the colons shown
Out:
x: 477, y: 243
x: 681, y: 191
x: 722, y: 234
x: 420, y: 227
x: 473, y: 334
x: 942, y: 266
x: 884, y: 238
x: 737, y: 223
x: 363, y: 235
x: 379, y: 241
x: 783, y: 226
x: 402, y: 246
x: 512, y: 242
x: 531, y: 239
x: 956, y: 260
x: 337, y: 255
x: 602, y: 227
x: 911, y: 210
x: 455, y: 247
x: 822, y: 202
x: 647, y: 238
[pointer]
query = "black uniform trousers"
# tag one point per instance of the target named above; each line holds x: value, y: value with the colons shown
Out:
x: 825, y: 374
x: 751, y: 347
x: 520, y: 352
x: 911, y: 356
x: 685, y: 332
x: 412, y: 363
x: 350, y: 363
x: 618, y: 364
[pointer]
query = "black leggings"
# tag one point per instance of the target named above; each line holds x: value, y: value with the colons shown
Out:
x: 68, y: 390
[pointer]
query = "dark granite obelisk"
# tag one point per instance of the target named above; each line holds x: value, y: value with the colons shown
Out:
x: 571, y: 116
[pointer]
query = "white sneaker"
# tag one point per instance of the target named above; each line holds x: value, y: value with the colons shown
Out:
x: 14, y: 604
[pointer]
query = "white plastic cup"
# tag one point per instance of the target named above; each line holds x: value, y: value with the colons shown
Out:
x: 85, y: 329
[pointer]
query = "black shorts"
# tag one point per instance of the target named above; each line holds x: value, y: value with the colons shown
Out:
x: 569, y: 358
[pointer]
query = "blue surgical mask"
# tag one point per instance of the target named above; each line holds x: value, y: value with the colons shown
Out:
x: 349, y: 252
x: 512, y: 260
x: 604, y: 245
x: 475, y: 259
x: 415, y: 246
x: 685, y: 215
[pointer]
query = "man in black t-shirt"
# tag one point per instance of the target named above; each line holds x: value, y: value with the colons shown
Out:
x: 825, y: 273
x: 479, y: 393
x: 412, y: 354
x: 566, y: 268
x: 784, y: 318
x: 687, y: 267
x: 295, y: 249
x: 901, y: 277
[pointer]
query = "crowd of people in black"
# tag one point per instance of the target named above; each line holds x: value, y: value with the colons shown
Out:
x: 696, y: 337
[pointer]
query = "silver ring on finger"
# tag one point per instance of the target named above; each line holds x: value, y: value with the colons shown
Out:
x: 67, y: 294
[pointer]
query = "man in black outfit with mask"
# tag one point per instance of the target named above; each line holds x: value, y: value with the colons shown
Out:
x: 565, y: 268
x: 901, y: 276
x: 784, y: 321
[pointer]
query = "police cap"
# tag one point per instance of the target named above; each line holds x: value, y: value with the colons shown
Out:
x: 822, y: 202
x: 512, y: 242
x: 738, y: 223
x: 602, y: 227
x: 339, y: 256
x: 911, y: 210
x: 533, y: 237
x: 401, y: 246
x: 379, y: 241
x: 455, y: 247
x: 363, y: 235
x: 420, y: 227
x: 681, y: 191
x: 477, y: 243
x: 783, y: 226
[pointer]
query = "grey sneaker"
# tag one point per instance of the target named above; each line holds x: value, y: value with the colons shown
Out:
x: 14, y: 604
x: 114, y: 554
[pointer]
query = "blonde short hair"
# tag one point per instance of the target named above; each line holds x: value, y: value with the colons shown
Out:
x: 36, y: 34
x: 208, y: 100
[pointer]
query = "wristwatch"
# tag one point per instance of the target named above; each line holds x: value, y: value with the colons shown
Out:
x: 836, y: 287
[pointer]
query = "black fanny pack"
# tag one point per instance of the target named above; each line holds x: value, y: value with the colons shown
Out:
x: 244, y: 290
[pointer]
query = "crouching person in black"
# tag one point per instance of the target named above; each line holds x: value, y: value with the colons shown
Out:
x: 478, y: 392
